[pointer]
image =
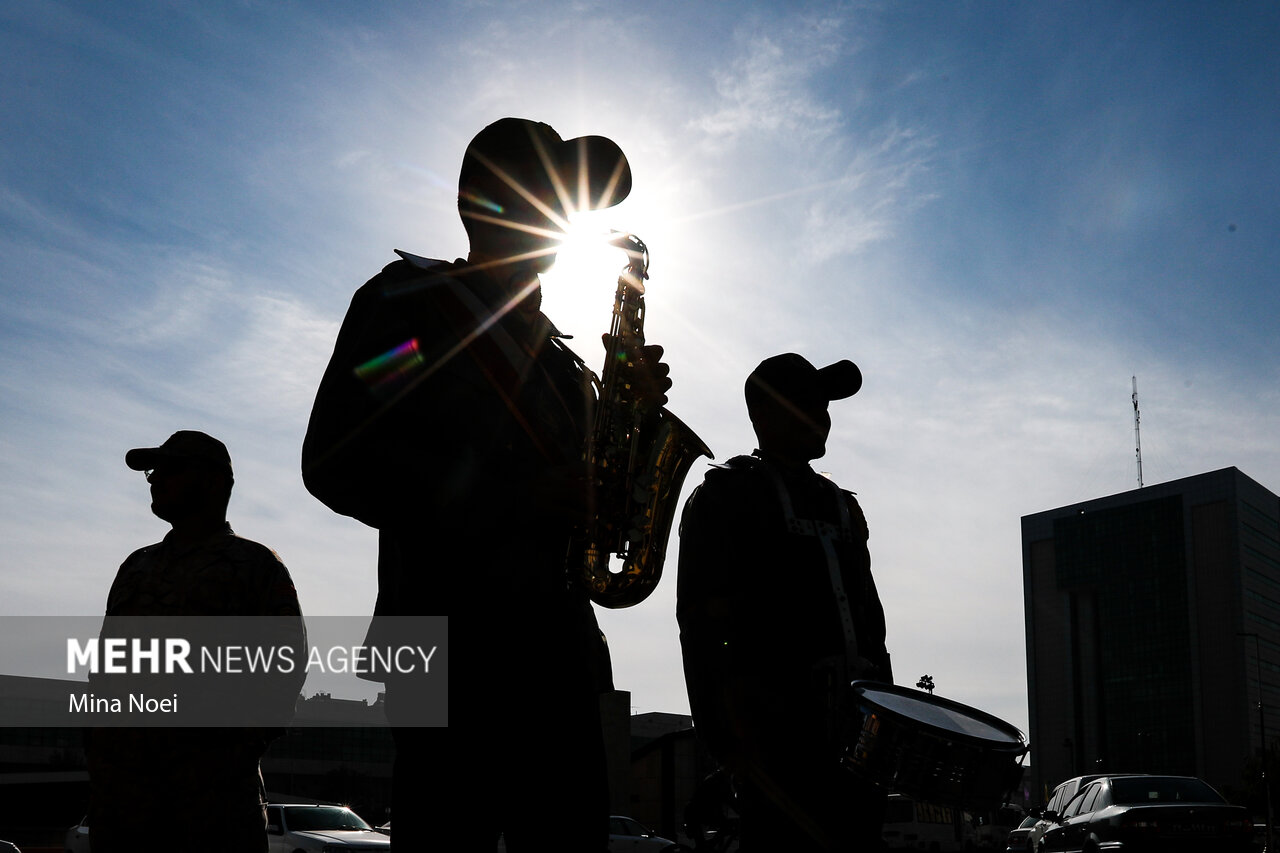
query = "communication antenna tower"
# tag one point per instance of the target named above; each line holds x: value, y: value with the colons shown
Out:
x: 1137, y: 432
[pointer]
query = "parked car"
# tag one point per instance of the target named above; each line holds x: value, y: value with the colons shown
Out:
x: 300, y: 826
x: 76, y: 839
x: 627, y: 835
x: 1053, y: 809
x: 1019, y: 840
x: 1165, y: 813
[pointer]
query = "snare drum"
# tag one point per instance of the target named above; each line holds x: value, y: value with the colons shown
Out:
x: 932, y: 749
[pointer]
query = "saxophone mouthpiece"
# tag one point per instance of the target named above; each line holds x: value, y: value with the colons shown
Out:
x: 637, y: 252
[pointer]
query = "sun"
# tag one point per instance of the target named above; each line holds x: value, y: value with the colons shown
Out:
x: 578, y: 291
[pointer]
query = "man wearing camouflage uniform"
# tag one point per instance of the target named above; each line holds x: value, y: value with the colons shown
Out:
x: 190, y: 788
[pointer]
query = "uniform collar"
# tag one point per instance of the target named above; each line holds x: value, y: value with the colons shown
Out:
x: 491, y: 291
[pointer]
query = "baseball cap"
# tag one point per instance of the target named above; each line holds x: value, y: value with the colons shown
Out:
x: 595, y: 159
x: 792, y: 378
x: 186, y: 445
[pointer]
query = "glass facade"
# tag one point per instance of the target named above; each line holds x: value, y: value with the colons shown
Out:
x: 1127, y: 564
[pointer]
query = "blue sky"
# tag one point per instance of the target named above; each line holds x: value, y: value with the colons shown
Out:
x: 1002, y: 211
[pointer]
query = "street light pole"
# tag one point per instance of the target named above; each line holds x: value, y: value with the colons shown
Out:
x: 1262, y: 733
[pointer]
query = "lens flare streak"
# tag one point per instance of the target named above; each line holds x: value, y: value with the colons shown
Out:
x: 386, y: 374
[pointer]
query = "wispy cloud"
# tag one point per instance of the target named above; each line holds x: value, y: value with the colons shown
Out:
x: 881, y: 184
x: 774, y: 93
x: 765, y: 89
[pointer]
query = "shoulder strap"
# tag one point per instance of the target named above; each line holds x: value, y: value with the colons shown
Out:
x: 827, y: 534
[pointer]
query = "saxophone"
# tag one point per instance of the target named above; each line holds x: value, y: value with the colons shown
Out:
x: 636, y: 459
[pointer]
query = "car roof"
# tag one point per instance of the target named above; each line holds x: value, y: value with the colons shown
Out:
x: 1081, y: 781
x: 1088, y: 780
x: 1086, y: 784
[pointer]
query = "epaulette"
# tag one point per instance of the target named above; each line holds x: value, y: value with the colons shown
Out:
x: 734, y: 465
x: 410, y: 274
x: 428, y: 264
x: 733, y: 472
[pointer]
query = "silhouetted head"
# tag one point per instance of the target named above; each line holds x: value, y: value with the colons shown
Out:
x: 190, y: 475
x: 787, y: 399
x: 519, y: 182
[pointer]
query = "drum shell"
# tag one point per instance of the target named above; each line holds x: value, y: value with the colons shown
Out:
x: 930, y: 763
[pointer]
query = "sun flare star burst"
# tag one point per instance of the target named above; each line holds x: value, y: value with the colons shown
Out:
x: 579, y: 288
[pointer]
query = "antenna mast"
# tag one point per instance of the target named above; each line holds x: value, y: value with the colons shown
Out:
x: 1137, y: 433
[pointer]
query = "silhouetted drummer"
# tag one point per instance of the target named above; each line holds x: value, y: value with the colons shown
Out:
x: 778, y: 613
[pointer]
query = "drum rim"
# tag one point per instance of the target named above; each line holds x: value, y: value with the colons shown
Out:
x: 1019, y: 739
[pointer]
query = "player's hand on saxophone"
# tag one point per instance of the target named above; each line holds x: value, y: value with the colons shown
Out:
x: 648, y: 376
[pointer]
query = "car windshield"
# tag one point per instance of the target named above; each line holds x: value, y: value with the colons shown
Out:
x: 1135, y: 790
x: 310, y: 818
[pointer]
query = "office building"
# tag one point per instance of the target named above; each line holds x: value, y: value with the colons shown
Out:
x: 1152, y: 627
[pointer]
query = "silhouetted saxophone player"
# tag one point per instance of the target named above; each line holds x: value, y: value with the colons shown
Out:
x: 453, y: 418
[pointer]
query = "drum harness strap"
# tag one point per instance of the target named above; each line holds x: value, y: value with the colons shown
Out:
x: 828, y: 534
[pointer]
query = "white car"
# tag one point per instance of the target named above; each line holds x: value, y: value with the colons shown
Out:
x: 76, y: 839
x: 627, y: 835
x: 329, y: 829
